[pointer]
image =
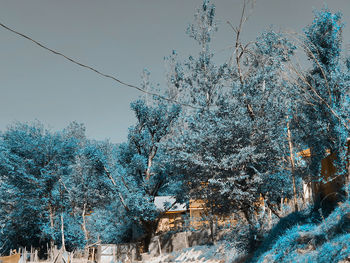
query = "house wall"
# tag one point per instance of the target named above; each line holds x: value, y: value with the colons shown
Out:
x: 197, y: 216
x: 171, y: 221
x: 332, y: 188
x: 175, y: 219
x: 10, y: 259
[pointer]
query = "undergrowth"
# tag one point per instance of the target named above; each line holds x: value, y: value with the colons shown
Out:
x: 301, y: 237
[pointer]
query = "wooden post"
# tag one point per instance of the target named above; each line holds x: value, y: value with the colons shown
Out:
x: 36, y: 258
x: 160, y: 248
x: 24, y: 255
x: 48, y: 252
x: 270, y: 218
x: 31, y: 254
x: 93, y: 254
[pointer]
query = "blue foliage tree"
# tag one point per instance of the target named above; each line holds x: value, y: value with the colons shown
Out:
x: 88, y: 189
x: 236, y: 141
x: 323, y: 122
x: 142, y: 169
x: 198, y: 81
x: 33, y: 163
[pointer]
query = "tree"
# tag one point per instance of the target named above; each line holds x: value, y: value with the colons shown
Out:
x: 33, y: 162
x: 142, y: 169
x: 88, y: 189
x: 273, y: 101
x: 324, y: 119
x: 198, y: 81
x: 237, y: 139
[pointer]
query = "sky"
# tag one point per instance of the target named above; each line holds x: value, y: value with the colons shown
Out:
x: 118, y: 37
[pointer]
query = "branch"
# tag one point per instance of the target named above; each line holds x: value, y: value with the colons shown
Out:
x: 119, y: 194
x: 303, y: 78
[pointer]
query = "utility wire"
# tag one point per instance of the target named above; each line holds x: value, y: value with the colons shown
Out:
x: 95, y: 70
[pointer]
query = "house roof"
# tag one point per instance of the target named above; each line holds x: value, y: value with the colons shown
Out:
x: 161, y: 202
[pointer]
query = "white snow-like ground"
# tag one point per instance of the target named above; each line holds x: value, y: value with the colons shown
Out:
x: 200, y: 254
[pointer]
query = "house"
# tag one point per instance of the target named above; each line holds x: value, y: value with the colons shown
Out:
x: 174, y: 218
x: 330, y: 187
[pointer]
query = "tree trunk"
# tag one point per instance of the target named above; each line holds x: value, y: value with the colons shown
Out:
x: 291, y: 157
x: 211, y: 222
x: 86, y: 235
x: 211, y: 226
x: 84, y: 224
x: 62, y: 233
x: 52, y: 243
x: 149, y: 228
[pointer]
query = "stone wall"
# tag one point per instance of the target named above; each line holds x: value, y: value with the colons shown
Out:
x: 168, y: 243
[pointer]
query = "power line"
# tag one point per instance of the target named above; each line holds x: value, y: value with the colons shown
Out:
x: 93, y: 69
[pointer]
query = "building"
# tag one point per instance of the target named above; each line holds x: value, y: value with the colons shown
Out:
x: 330, y: 187
x: 173, y: 217
x: 195, y: 214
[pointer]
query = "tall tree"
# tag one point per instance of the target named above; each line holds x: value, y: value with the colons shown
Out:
x: 34, y: 161
x: 236, y: 140
x: 88, y: 189
x: 324, y: 119
x: 143, y: 170
x: 198, y: 81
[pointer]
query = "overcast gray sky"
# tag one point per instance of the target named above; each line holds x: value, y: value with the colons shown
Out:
x: 119, y: 37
